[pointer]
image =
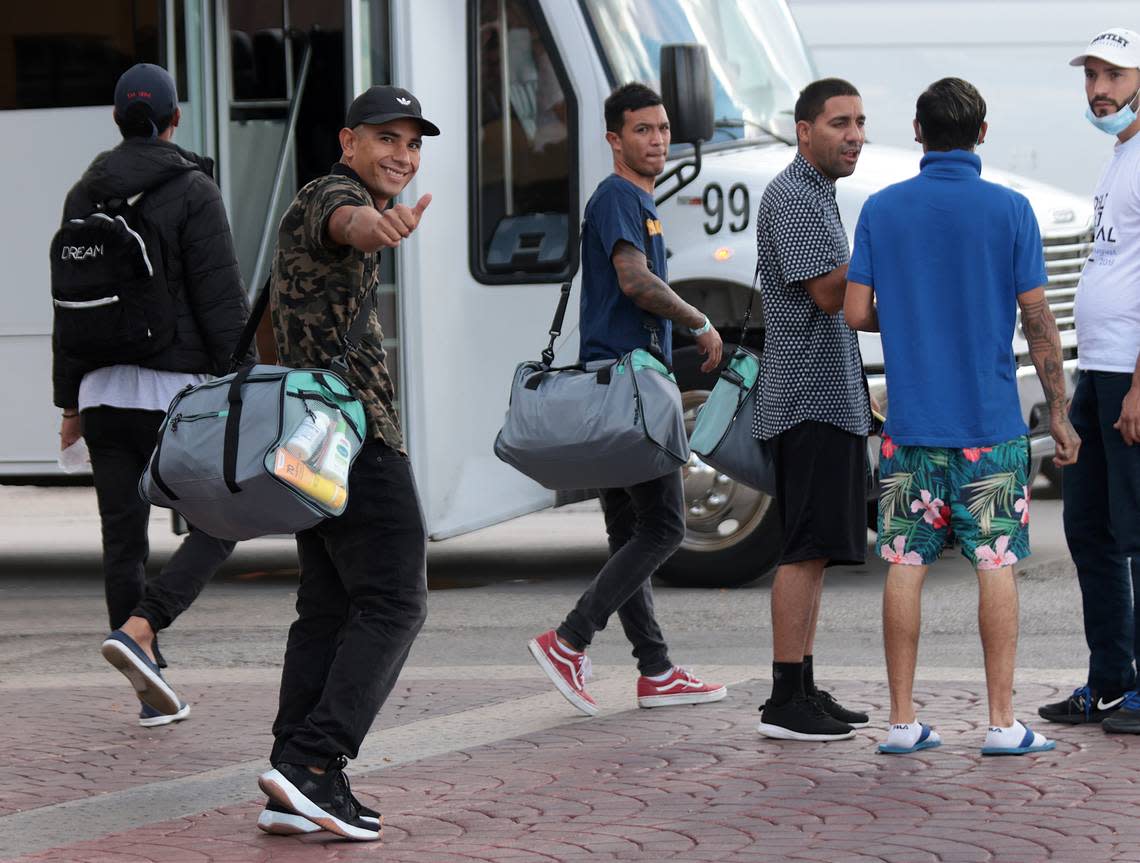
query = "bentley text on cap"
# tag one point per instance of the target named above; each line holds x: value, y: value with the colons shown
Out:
x: 1118, y: 46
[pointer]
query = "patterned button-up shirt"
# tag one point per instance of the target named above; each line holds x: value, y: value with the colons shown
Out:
x: 811, y: 368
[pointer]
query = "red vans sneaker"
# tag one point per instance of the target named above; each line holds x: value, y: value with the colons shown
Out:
x: 680, y: 687
x: 567, y: 669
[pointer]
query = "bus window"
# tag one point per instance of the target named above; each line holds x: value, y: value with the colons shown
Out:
x: 525, y: 177
x: 60, y: 54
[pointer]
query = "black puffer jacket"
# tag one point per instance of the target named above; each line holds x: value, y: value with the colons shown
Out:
x: 184, y: 205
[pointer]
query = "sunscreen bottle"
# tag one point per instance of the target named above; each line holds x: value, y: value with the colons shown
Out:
x: 297, y: 473
x: 334, y: 462
x: 307, y: 438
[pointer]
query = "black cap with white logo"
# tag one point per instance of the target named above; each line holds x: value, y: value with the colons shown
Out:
x: 381, y: 104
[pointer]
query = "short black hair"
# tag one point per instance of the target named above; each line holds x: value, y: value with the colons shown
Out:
x: 139, y: 122
x: 815, y: 95
x: 950, y: 112
x: 628, y: 97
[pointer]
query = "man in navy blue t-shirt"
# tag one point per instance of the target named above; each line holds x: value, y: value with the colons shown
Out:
x: 627, y: 304
x: 941, y: 263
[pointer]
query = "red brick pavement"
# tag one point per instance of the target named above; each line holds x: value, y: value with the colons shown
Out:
x: 698, y: 784
x: 65, y: 744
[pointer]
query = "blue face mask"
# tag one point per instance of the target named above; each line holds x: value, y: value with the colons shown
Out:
x: 1116, y: 123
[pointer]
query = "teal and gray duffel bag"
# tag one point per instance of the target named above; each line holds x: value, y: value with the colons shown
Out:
x: 604, y: 424
x: 264, y: 450
x: 722, y: 437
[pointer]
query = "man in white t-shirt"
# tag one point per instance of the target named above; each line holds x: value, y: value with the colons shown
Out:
x: 1102, y: 490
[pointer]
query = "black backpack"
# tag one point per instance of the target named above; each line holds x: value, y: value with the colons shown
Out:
x: 108, y: 286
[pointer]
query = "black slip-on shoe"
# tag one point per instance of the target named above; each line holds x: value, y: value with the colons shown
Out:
x: 801, y: 718
x: 837, y: 711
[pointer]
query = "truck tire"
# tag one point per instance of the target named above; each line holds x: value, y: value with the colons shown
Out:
x: 732, y: 532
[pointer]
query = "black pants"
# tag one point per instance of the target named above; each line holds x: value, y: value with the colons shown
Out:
x: 120, y: 442
x: 1102, y: 527
x: 361, y: 602
x: 645, y: 524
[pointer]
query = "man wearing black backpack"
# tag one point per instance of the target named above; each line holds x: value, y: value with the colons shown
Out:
x: 148, y: 299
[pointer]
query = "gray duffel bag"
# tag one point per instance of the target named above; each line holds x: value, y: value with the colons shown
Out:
x: 602, y: 424
x: 264, y: 450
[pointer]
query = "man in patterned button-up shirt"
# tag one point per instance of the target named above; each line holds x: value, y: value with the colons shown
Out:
x: 813, y: 412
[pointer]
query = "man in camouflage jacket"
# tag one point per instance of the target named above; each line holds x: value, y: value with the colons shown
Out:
x: 362, y: 597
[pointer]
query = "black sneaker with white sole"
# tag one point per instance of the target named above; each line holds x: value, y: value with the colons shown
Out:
x: 801, y: 718
x: 323, y: 798
x: 837, y: 711
x: 1084, y: 706
x: 279, y: 821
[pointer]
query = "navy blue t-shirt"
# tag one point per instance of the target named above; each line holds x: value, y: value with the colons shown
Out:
x: 947, y: 255
x: 610, y: 324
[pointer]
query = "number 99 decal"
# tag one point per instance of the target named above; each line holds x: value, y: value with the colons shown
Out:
x: 739, y: 206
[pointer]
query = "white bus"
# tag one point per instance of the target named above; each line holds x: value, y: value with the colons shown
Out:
x: 517, y: 87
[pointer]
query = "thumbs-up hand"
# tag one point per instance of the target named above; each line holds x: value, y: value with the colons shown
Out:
x: 403, y: 219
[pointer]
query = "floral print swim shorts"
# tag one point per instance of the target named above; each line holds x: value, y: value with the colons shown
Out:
x: 979, y: 493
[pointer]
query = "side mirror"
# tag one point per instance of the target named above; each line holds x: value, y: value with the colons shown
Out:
x: 686, y: 90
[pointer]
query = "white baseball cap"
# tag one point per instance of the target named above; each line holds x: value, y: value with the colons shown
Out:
x: 1118, y: 46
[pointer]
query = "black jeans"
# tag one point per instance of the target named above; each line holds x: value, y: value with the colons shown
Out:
x: 120, y: 442
x: 360, y: 604
x: 1102, y: 527
x: 645, y: 524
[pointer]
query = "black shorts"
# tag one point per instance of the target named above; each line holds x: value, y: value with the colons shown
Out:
x: 821, y: 493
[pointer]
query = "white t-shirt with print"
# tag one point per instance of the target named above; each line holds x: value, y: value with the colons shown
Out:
x: 1108, y: 295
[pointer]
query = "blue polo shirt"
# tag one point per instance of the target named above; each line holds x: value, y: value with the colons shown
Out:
x: 947, y: 254
x: 610, y: 324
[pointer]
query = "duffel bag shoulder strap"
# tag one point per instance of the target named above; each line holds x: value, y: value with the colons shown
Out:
x: 556, y: 324
x: 356, y: 330
x: 233, y: 425
x: 350, y: 340
x: 237, y: 359
x: 751, y: 299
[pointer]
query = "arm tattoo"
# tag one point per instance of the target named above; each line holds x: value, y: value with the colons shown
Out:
x: 648, y: 291
x: 1040, y: 329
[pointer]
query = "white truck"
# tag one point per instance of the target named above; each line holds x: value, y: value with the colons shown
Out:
x: 517, y: 87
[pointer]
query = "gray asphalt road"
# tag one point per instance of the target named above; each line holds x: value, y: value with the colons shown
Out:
x: 490, y: 592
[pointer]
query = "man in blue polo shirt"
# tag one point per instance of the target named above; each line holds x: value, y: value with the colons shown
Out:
x: 941, y: 263
x: 627, y: 304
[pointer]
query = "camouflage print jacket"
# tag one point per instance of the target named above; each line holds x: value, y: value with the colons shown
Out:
x: 316, y: 289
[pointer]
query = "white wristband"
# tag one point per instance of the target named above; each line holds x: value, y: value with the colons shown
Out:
x: 700, y: 331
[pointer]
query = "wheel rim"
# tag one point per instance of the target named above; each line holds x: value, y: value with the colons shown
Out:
x: 719, y: 512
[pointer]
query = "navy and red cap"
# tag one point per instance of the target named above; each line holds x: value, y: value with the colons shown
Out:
x: 382, y: 104
x: 150, y: 85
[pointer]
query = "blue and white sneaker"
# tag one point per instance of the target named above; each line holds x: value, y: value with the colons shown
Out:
x: 124, y: 653
x: 149, y: 717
